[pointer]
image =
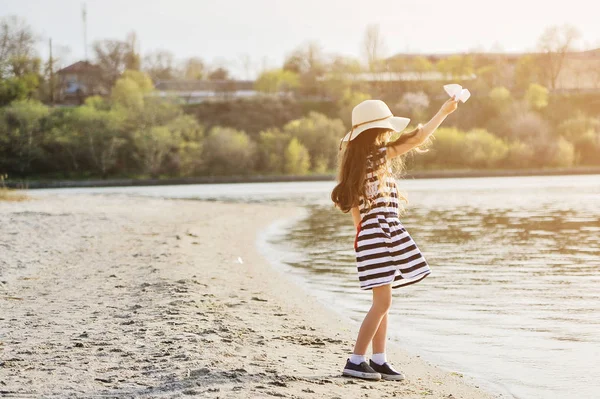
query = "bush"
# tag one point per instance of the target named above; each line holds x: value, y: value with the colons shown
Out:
x: 587, y: 148
x: 272, y: 145
x: 297, y: 160
x: 484, y: 150
x: 321, y: 136
x: 578, y: 126
x: 277, y: 81
x: 21, y: 135
x: 500, y: 98
x: 564, y: 155
x: 536, y: 96
x: 227, y: 151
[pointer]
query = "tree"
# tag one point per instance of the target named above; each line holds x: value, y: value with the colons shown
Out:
x: 160, y: 65
x: 21, y: 133
x: 152, y: 144
x: 133, y: 60
x: 113, y: 57
x: 297, y: 160
x: 500, y: 98
x: 578, y: 126
x: 373, y: 47
x: 17, y: 48
x: 456, y: 66
x: 321, y: 136
x: 193, y: 69
x: 189, y: 154
x: 555, y: 43
x: 219, y: 74
x: 18, y: 88
x: 421, y: 65
x: 536, y: 96
x: 277, y: 81
x: 101, y: 133
x: 309, y: 63
x: 228, y: 151
x: 272, y: 144
x: 339, y: 76
x: 527, y: 71
x: 482, y: 149
x: 130, y: 90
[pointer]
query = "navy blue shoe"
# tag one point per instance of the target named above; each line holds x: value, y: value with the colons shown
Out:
x: 362, y: 370
x: 387, y: 371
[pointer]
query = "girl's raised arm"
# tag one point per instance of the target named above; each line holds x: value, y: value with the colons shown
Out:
x: 408, y: 141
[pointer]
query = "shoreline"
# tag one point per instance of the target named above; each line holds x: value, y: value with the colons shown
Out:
x: 173, y: 298
x: 437, y: 174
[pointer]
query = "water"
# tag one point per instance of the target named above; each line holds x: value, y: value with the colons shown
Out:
x: 514, y: 297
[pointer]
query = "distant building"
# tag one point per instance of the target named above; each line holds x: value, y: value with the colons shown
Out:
x: 78, y: 81
x: 197, y: 91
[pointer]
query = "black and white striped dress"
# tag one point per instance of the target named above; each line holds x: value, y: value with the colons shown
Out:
x: 385, y: 252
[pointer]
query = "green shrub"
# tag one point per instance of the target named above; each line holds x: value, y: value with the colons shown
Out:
x: 227, y: 151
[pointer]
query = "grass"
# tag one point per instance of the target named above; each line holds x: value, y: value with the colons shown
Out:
x: 6, y: 194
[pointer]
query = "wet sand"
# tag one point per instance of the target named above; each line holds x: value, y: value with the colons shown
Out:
x: 135, y: 297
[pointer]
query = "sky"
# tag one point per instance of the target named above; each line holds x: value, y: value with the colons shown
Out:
x: 221, y: 32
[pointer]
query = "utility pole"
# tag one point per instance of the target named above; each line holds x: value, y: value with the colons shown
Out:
x: 51, y: 65
x: 84, y: 17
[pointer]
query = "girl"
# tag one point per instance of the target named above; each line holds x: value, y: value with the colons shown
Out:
x: 386, y: 255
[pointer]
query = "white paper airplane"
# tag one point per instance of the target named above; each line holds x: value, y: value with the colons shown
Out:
x: 458, y: 91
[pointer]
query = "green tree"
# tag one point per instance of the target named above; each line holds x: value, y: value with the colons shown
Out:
x: 456, y: 66
x: 189, y: 154
x: 101, y: 134
x: 500, y: 98
x: 272, y: 144
x: 321, y: 136
x: 131, y: 89
x: 577, y: 126
x: 277, y: 81
x: 482, y: 149
x: 228, y: 151
x: 527, y: 71
x: 18, y: 88
x: 536, y: 96
x: 153, y: 144
x: 297, y: 160
x: 564, y: 155
x: 21, y: 134
x: 193, y: 69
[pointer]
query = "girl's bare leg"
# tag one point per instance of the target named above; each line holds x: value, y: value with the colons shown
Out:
x: 380, y: 336
x: 382, y: 300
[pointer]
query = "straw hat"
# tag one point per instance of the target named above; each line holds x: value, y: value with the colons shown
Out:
x: 373, y: 113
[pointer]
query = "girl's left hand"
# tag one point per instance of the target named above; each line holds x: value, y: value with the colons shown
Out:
x: 449, y: 106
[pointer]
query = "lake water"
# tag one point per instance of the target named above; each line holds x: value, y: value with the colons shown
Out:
x: 514, y: 294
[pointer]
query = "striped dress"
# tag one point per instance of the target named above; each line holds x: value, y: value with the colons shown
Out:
x: 385, y: 252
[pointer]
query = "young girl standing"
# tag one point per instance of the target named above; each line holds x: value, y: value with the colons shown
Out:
x: 386, y: 255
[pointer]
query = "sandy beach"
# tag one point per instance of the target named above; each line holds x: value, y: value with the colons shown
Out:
x: 136, y: 297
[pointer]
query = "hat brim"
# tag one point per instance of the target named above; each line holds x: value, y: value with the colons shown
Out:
x: 395, y: 123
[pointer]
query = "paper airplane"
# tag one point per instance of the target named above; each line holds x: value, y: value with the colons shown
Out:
x: 458, y: 91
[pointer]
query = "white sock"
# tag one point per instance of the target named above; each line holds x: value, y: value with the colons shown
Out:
x: 357, y: 359
x: 379, y: 358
